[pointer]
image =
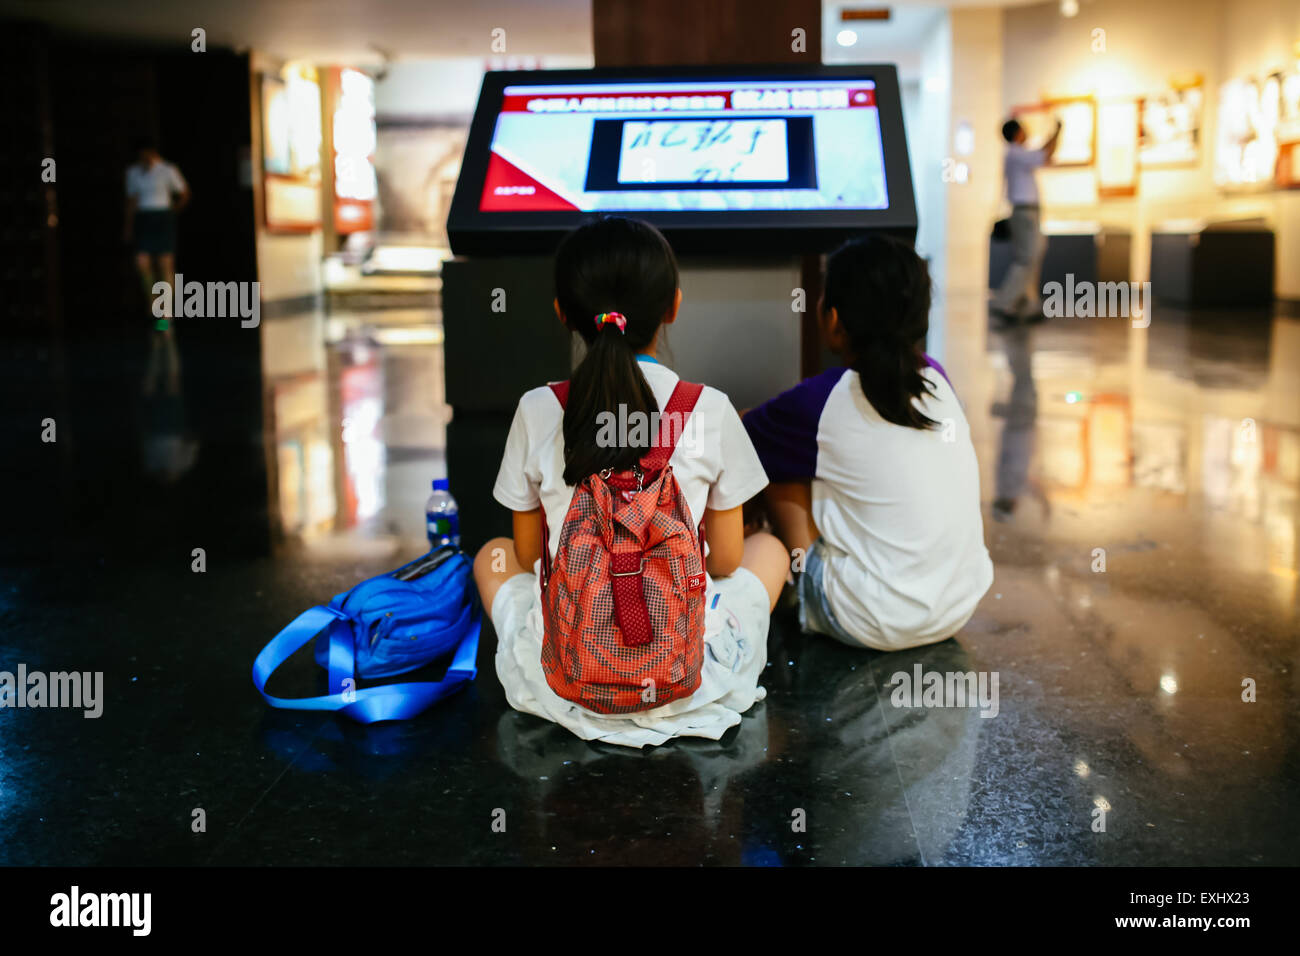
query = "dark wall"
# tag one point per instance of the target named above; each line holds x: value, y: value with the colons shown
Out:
x: 76, y: 325
x: 33, y: 378
x: 536, y: 350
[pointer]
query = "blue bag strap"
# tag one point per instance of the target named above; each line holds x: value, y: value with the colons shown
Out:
x: 386, y: 702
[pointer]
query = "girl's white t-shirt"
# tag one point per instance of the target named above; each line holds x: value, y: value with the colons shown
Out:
x: 714, y: 462
x: 152, y: 187
x: 898, y: 508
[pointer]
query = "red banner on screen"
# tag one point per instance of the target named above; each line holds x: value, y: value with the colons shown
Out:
x: 507, y: 188
x: 693, y: 101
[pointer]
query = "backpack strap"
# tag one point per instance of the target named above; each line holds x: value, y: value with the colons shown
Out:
x: 546, y: 549
x: 561, y: 390
x: 371, y: 704
x: 626, y: 567
x: 625, y: 570
x: 672, y: 422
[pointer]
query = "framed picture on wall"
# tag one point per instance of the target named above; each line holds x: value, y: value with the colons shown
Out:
x: 276, y: 156
x: 1288, y: 113
x: 291, y: 204
x: 1287, y: 173
x: 1078, y: 116
x: 1117, y: 147
x: 1246, y: 150
x: 291, y: 142
x: 354, y: 140
x: 1170, y: 130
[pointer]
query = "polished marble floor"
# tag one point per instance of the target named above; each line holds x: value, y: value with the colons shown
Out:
x: 1146, y: 581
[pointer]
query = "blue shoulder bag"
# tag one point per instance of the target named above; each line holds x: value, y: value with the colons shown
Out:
x: 388, y: 625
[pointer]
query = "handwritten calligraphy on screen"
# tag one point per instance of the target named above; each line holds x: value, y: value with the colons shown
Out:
x: 701, y: 151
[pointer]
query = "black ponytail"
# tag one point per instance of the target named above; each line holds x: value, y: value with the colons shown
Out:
x: 611, y: 265
x: 880, y: 289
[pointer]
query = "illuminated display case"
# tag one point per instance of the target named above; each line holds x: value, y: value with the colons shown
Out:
x: 353, y: 150
x: 291, y: 145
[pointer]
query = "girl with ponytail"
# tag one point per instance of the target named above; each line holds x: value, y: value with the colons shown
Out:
x: 616, y: 286
x: 874, y: 477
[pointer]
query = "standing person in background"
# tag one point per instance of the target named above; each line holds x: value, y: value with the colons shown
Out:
x: 1017, y: 300
x: 155, y: 193
x: 1016, y: 305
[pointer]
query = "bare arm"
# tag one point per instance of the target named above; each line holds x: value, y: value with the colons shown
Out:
x: 528, y: 536
x: 180, y: 189
x: 789, y: 508
x: 725, y: 532
x: 1050, y: 146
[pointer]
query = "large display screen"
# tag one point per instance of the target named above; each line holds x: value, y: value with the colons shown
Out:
x: 684, y: 146
x: 819, y: 152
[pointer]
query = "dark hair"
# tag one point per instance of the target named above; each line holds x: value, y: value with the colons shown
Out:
x: 1009, y: 130
x: 880, y: 290
x: 611, y: 265
x: 144, y: 142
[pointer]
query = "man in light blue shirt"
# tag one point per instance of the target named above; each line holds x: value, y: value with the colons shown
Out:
x: 1016, y: 300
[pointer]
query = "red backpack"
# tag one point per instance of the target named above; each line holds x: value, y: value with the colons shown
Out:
x: 623, y: 601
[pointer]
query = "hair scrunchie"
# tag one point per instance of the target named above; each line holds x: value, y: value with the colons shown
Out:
x: 616, y: 318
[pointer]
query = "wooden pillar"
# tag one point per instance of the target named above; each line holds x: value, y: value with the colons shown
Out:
x: 692, y: 33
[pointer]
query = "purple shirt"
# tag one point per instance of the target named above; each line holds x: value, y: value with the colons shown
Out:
x: 783, y: 429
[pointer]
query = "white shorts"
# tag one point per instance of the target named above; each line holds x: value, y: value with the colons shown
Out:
x: 735, y: 636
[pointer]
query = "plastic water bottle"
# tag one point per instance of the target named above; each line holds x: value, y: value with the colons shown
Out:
x: 441, y: 516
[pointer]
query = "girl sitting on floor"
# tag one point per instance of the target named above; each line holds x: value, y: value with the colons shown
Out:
x: 616, y: 286
x: 874, y: 477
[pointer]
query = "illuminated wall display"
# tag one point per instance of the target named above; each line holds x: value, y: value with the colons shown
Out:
x: 1258, y: 143
x: 355, y: 185
x: 1171, y: 126
x: 1246, y: 152
x: 291, y: 142
x: 1288, y: 130
x: 277, y: 156
x: 1117, y: 147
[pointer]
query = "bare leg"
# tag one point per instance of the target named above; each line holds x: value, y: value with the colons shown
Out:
x: 144, y: 266
x: 767, y: 558
x: 1018, y: 296
x: 494, y: 565
x: 171, y: 360
x: 167, y: 268
x: 171, y: 357
x: 161, y: 351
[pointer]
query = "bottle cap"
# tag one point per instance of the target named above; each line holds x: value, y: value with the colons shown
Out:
x: 441, y: 484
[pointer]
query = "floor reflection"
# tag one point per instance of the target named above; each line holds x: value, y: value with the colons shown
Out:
x: 1143, y: 628
x: 1198, y: 415
x: 1020, y: 413
x: 358, y: 426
